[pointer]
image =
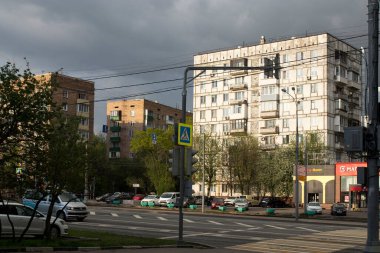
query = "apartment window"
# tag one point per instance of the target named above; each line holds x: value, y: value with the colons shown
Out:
x: 285, y: 139
x: 300, y: 89
x: 212, y: 188
x: 213, y: 114
x: 226, y: 112
x: 83, y: 108
x: 238, y: 124
x: 225, y: 97
x: 285, y: 58
x: 299, y: 73
x: 202, y: 129
x: 355, y: 77
x: 84, y: 121
x: 224, y: 188
x: 239, y: 95
x: 300, y: 106
x: 312, y: 104
x: 82, y: 95
x: 313, y: 88
x: 270, y: 123
x: 132, y: 113
x: 65, y: 93
x: 270, y: 140
x: 299, y: 56
x: 203, y: 100
x: 239, y: 80
x: 202, y: 114
x: 84, y: 135
x: 226, y: 127
x: 225, y: 83
x: 203, y: 86
x: 269, y: 90
x: 314, y: 55
x: 239, y: 62
x: 213, y: 98
x: 314, y: 71
x: 285, y: 74
x: 214, y: 84
x: 65, y: 107
x: 269, y: 106
x: 314, y: 121
x: 341, y: 71
x: 213, y: 128
x: 237, y: 109
x: 285, y: 123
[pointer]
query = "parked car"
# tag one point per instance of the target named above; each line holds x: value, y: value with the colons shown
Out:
x: 151, y: 198
x: 103, y: 197
x: 187, y: 201
x: 338, y: 209
x: 138, y: 197
x: 216, y: 202
x: 168, y: 198
x: 118, y: 196
x: 272, y: 202
x: 67, y: 206
x: 198, y: 200
x: 20, y: 215
x: 314, y: 206
x: 230, y: 201
x: 251, y: 200
x: 242, y: 203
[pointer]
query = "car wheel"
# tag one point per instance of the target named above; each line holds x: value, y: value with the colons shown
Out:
x: 54, y: 232
x: 61, y: 215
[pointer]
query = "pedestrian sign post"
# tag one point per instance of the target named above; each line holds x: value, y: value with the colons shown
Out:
x: 185, y: 133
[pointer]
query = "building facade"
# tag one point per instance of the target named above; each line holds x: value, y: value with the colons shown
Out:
x: 76, y: 96
x: 124, y: 117
x: 321, y: 71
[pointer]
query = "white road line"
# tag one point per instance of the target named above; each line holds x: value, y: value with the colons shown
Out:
x: 309, y: 229
x: 274, y: 227
x: 188, y: 235
x: 92, y: 213
x: 189, y: 221
x: 214, y: 222
x: 162, y: 218
x: 114, y: 214
x: 137, y: 216
x: 244, y: 225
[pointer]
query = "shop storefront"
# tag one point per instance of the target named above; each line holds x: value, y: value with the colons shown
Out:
x: 347, y: 189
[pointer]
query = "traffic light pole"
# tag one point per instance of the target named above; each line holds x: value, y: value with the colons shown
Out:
x: 372, y: 244
x: 183, y: 120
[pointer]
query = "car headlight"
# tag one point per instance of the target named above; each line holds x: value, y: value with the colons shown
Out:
x: 69, y: 208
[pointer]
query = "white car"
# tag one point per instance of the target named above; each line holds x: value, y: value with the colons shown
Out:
x: 168, y: 198
x: 242, y: 203
x: 314, y: 207
x: 20, y: 215
x: 151, y: 198
x: 230, y: 201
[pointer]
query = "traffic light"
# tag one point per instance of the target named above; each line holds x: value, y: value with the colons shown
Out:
x: 276, y: 66
x: 190, y: 161
x: 174, y: 161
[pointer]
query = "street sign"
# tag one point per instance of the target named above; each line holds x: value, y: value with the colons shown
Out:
x: 136, y: 185
x: 185, y: 133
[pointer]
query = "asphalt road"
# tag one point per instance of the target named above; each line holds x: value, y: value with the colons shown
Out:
x: 256, y: 234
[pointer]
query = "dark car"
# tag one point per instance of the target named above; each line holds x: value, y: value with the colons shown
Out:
x: 198, y: 200
x: 187, y: 201
x: 216, y: 202
x: 338, y: 209
x: 118, y: 196
x: 103, y: 197
x: 272, y: 202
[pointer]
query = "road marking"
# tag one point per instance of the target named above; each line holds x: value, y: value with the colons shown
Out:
x: 92, y: 213
x: 253, y: 228
x: 188, y: 235
x: 244, y: 225
x: 309, y: 229
x: 187, y: 220
x: 162, y: 218
x: 137, y: 216
x: 114, y: 214
x: 274, y: 227
x: 214, y: 222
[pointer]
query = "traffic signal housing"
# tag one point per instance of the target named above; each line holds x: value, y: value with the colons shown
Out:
x: 174, y: 161
x: 190, y: 161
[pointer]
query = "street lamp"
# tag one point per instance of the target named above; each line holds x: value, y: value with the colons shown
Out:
x: 295, y: 99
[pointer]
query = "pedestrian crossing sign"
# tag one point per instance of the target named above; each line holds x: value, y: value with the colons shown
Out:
x: 185, y: 134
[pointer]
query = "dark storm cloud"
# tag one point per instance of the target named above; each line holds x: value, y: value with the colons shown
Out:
x: 95, y: 37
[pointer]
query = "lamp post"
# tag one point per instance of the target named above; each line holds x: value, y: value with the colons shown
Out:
x: 295, y: 99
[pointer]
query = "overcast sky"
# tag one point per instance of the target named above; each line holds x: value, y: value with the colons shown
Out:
x: 101, y: 38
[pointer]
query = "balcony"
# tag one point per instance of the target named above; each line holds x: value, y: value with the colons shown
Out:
x: 240, y: 101
x: 239, y: 131
x: 339, y: 129
x: 339, y: 145
x: 269, y: 130
x: 115, y: 128
x: 238, y: 72
x: 269, y: 81
x: 114, y: 149
x: 115, y: 118
x: 353, y: 99
x: 268, y: 146
x: 115, y: 138
x: 238, y: 86
x: 269, y: 114
x: 341, y: 96
x: 340, y: 79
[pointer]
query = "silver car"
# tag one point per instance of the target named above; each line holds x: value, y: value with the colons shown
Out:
x: 241, y: 203
x: 20, y: 215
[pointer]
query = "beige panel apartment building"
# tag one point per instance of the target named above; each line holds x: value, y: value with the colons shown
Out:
x: 124, y: 117
x: 76, y: 96
x: 324, y: 72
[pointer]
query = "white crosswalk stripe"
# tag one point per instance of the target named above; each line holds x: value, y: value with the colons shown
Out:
x: 114, y: 214
x: 92, y: 213
x: 162, y: 218
x: 137, y: 216
x: 308, y: 229
x: 276, y: 227
x: 189, y: 221
x: 215, y: 222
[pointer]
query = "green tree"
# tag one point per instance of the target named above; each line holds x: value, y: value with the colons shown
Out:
x: 209, y: 153
x: 155, y: 156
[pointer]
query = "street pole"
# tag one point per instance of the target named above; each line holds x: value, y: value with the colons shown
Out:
x: 372, y: 244
x: 305, y: 192
x: 203, y: 176
x: 85, y: 197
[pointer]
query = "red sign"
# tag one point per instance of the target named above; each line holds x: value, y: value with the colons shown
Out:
x: 356, y: 188
x: 348, y: 169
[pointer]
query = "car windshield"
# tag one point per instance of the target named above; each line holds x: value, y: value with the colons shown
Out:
x: 240, y: 201
x: 340, y: 205
x: 150, y: 197
x: 314, y: 204
x: 166, y: 195
x: 66, y: 197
